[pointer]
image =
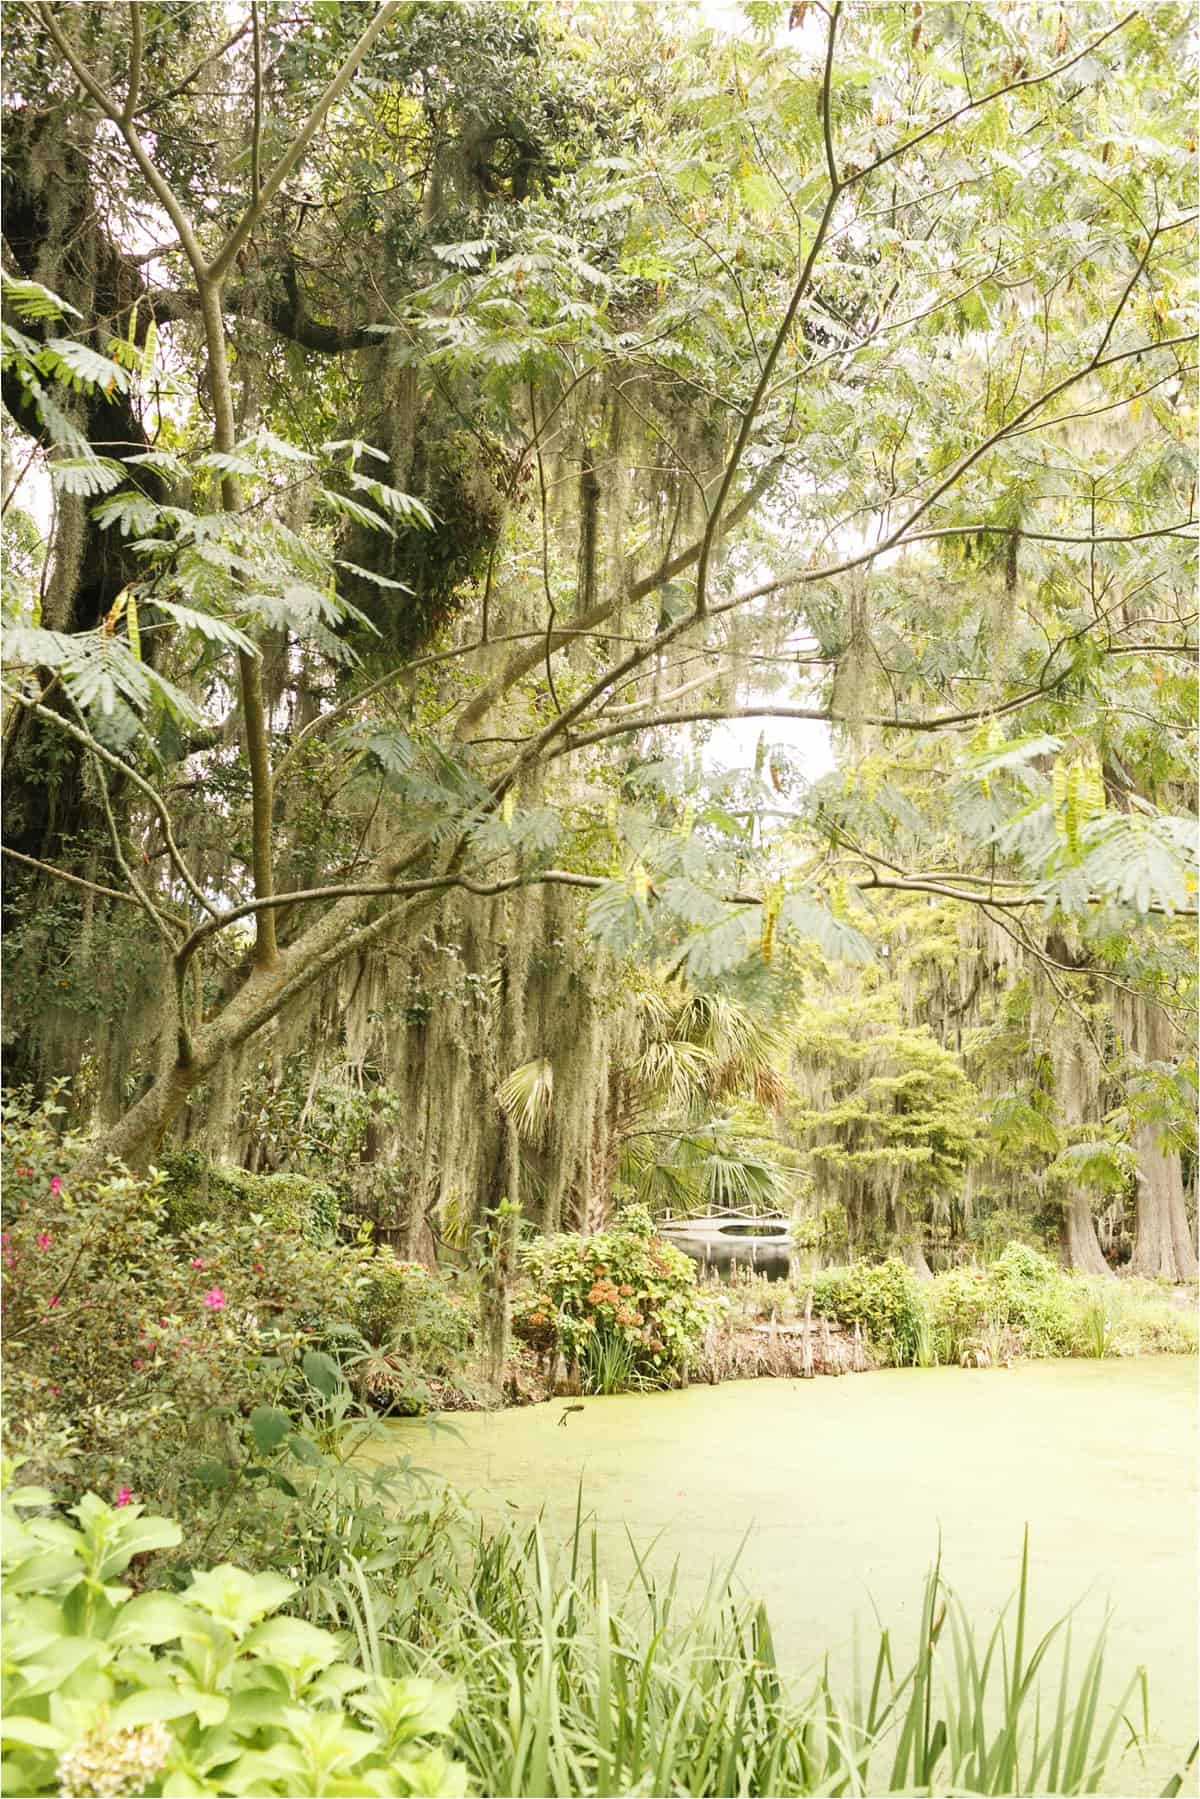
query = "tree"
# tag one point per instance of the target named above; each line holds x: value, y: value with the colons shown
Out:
x: 687, y: 379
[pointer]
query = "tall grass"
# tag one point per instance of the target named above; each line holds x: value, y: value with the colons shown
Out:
x: 608, y: 1365
x: 566, y: 1691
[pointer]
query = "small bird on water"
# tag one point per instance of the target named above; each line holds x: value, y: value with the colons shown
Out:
x: 567, y: 1413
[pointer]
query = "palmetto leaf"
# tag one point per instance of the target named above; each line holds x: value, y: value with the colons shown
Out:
x: 527, y: 1096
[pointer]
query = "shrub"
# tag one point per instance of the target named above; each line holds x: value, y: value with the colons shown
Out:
x: 624, y: 1285
x: 883, y: 1298
x: 133, y: 1359
x: 1021, y: 1280
x: 1148, y: 1321
x: 417, y: 1329
x: 959, y: 1304
x: 210, y: 1690
x: 199, y: 1191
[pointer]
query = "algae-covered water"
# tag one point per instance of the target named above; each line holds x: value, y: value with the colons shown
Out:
x: 833, y: 1493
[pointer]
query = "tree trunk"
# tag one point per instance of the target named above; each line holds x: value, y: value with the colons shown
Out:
x: 910, y: 1240
x: 1162, y: 1243
x: 1081, y: 1246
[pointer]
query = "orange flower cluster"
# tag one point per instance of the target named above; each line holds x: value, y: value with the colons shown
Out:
x: 626, y: 1315
x: 604, y: 1293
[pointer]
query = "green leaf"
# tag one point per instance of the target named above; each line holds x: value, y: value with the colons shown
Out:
x: 237, y: 1598
x: 321, y: 1372
x: 269, y: 1426
x: 66, y: 359
x: 154, y: 1618
x: 30, y: 300
x: 32, y: 1733
x: 292, y: 1642
x: 85, y: 475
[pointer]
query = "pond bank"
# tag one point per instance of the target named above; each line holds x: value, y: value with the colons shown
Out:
x: 840, y: 1491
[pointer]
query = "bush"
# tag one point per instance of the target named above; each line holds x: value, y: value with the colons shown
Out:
x: 623, y: 1285
x: 200, y: 1191
x: 960, y: 1307
x: 417, y: 1329
x: 883, y: 1298
x: 133, y: 1359
x: 210, y: 1690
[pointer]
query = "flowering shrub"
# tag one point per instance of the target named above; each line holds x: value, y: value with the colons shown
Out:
x: 210, y: 1690
x: 132, y: 1359
x: 624, y: 1284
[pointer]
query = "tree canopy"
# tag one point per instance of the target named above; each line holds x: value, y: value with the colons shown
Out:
x: 428, y: 425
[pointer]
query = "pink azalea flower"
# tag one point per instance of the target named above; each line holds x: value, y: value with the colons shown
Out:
x: 124, y: 1495
x: 138, y: 1362
x: 214, y: 1299
x: 199, y: 1262
x: 44, y: 1240
x: 56, y: 1301
x: 56, y: 1184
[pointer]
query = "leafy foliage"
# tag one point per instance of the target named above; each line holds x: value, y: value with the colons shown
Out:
x: 212, y: 1689
x: 622, y: 1286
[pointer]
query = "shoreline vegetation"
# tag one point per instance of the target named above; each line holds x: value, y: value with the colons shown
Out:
x: 195, y: 1535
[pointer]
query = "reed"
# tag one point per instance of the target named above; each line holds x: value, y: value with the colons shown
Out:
x: 568, y: 1689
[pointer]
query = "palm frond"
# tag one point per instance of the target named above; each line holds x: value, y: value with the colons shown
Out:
x: 527, y: 1096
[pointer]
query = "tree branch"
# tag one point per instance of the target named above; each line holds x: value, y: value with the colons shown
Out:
x: 89, y: 743
x: 219, y: 266
x: 773, y: 354
x: 60, y: 874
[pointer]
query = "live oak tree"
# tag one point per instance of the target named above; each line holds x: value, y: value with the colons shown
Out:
x: 451, y: 411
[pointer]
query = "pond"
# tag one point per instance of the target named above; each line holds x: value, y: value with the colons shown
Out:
x: 841, y: 1487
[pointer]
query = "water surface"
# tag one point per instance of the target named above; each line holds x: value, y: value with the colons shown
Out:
x: 835, y: 1492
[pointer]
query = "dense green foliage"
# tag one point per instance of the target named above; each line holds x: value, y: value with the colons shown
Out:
x: 477, y: 452
x: 438, y: 440
x: 619, y: 1306
x: 518, y: 1662
x: 199, y: 1191
x: 979, y: 1314
x: 212, y: 1689
x: 137, y: 1358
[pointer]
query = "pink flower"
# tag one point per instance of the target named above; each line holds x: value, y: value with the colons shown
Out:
x: 199, y: 1262
x: 57, y: 1392
x: 258, y: 1268
x: 56, y: 1301
x: 124, y: 1495
x: 214, y: 1299
x: 138, y: 1362
x: 56, y: 1184
x: 25, y: 1173
x: 44, y: 1240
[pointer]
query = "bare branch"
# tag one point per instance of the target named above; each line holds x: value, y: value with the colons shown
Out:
x: 773, y: 354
